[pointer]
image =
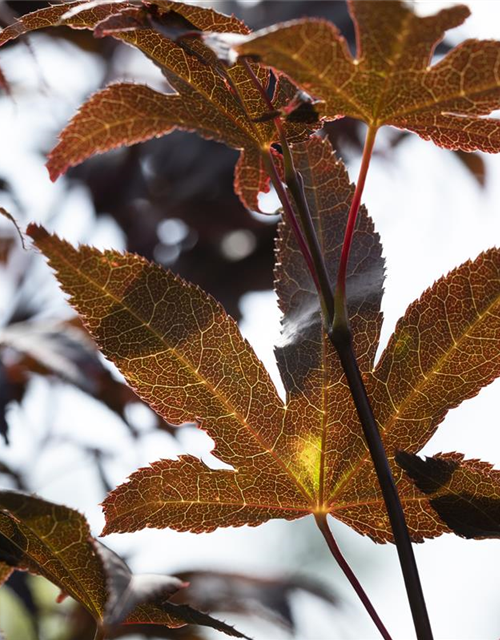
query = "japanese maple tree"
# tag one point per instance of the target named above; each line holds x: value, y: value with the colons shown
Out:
x: 344, y: 441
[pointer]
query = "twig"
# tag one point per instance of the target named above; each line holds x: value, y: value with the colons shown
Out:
x: 340, y: 334
x: 343, y: 564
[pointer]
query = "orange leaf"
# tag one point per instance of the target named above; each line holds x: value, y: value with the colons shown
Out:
x: 320, y: 411
x: 390, y: 81
x: 184, y: 355
x: 443, y: 351
x: 52, y: 16
x: 219, y: 103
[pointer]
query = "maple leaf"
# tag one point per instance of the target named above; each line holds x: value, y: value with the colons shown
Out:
x: 390, y: 81
x: 186, y: 358
x: 54, y: 541
x: 219, y: 103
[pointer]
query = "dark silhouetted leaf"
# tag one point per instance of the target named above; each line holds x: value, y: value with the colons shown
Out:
x: 11, y: 218
x: 390, y: 82
x: 63, y: 349
x: 126, y: 591
x: 250, y: 595
x: 465, y: 493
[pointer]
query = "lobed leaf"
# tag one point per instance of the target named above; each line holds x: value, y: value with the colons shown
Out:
x: 391, y: 80
x: 184, y: 356
x: 464, y: 493
x: 219, y: 103
x: 121, y: 114
x: 55, y: 542
x: 443, y: 351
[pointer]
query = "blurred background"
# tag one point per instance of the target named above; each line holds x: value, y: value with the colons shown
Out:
x: 71, y: 430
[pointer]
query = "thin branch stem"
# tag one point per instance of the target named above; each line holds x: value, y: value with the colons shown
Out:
x: 340, y: 335
x: 322, y: 523
x: 270, y: 166
x: 342, y: 341
x: 99, y: 633
x: 340, y: 307
x: 294, y: 182
x: 272, y: 171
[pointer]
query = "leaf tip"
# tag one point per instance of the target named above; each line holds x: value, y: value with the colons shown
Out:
x: 54, y: 170
x: 36, y: 232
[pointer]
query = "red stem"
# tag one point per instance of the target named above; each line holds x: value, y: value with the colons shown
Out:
x: 349, y: 574
x: 353, y: 211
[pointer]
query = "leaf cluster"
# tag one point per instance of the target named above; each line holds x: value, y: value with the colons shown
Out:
x: 184, y: 355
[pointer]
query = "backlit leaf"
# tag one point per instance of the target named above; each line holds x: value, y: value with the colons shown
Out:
x: 320, y: 412
x: 390, y: 81
x: 219, y: 103
x: 54, y: 541
x: 251, y: 595
x: 187, y: 359
x: 120, y: 114
x: 52, y: 16
x: 185, y: 356
x: 443, y: 351
x: 465, y: 493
